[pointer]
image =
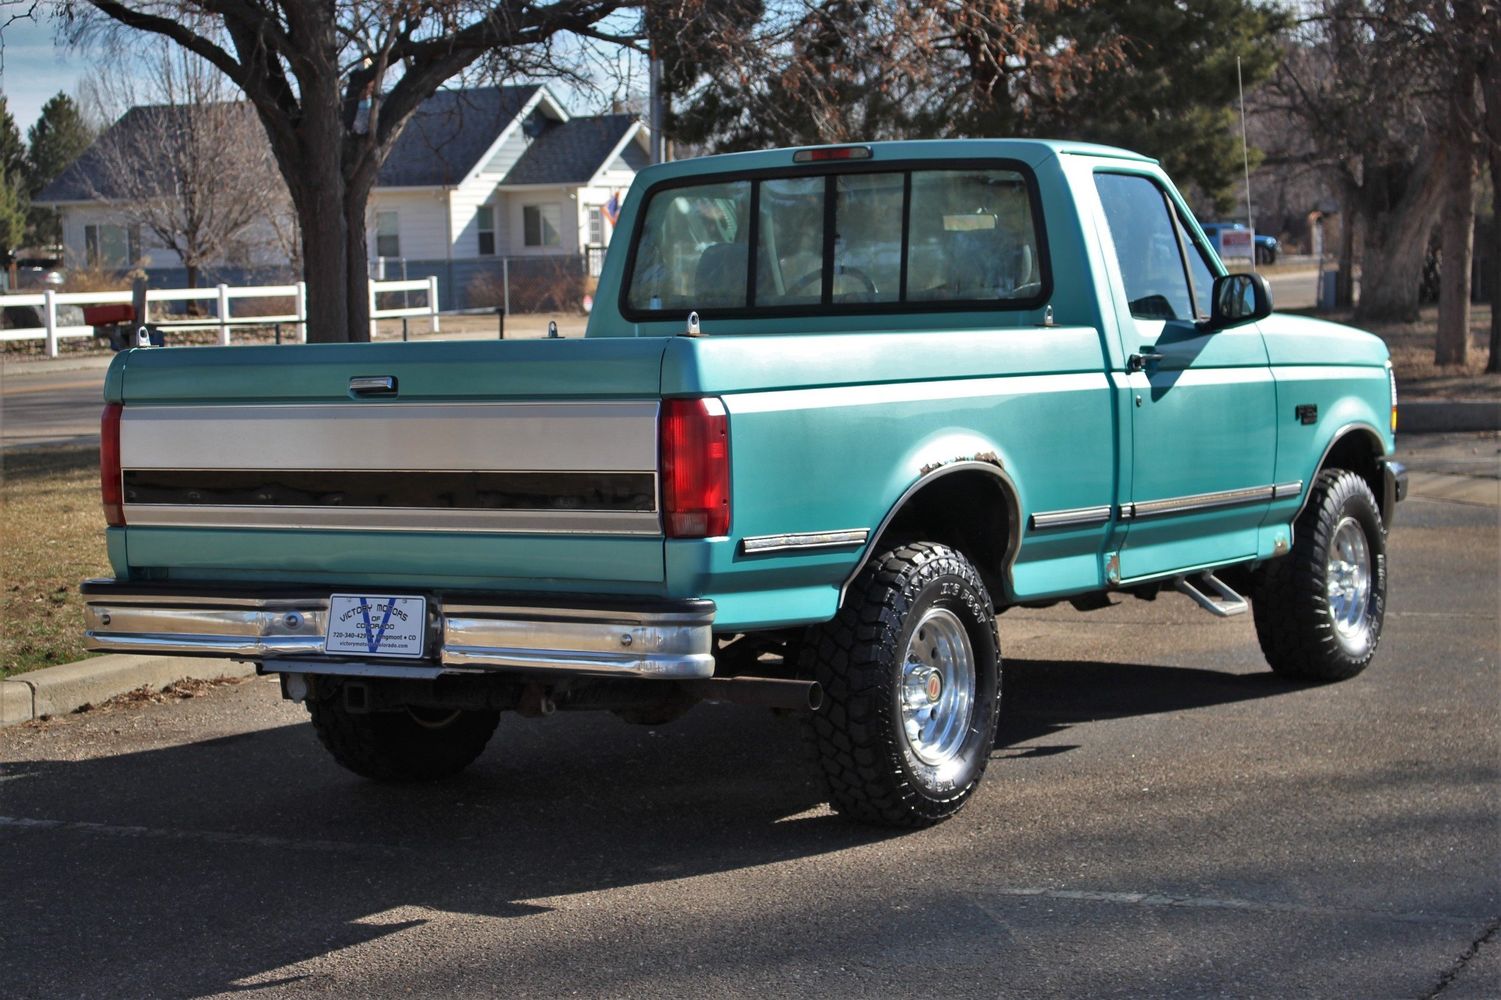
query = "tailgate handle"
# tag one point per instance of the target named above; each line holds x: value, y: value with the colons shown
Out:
x: 373, y: 385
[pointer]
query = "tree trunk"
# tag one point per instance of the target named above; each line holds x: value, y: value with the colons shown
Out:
x: 1344, y: 283
x: 1396, y: 241
x: 1458, y: 231
x: 319, y: 194
x: 356, y: 198
x: 1490, y: 89
x: 192, y: 270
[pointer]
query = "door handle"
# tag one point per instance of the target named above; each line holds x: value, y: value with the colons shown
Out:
x: 1139, y: 362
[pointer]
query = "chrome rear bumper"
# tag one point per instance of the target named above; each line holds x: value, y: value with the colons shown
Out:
x: 465, y: 634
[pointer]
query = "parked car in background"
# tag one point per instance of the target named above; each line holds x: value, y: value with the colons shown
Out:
x: 1267, y: 247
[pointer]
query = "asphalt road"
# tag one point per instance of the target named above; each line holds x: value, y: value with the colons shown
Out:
x: 50, y: 407
x: 1162, y: 818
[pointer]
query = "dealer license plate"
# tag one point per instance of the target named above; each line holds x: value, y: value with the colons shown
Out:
x: 373, y: 625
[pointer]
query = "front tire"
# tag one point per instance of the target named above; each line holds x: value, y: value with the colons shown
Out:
x: 911, y: 674
x: 1319, y: 610
x: 401, y: 746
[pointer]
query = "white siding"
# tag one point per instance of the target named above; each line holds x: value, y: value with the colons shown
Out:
x: 506, y: 156
x: 422, y: 222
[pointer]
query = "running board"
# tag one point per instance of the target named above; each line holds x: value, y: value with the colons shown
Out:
x: 1229, y: 603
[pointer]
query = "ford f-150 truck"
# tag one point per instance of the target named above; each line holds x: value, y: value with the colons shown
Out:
x: 835, y: 409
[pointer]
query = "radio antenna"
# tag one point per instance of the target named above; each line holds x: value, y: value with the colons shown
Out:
x: 1245, y: 160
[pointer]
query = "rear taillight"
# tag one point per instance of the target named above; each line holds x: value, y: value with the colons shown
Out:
x: 694, y: 448
x: 109, y: 466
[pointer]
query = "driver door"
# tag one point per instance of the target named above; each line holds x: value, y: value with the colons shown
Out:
x: 1203, y: 405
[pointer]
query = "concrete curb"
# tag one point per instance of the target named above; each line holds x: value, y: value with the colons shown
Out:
x: 67, y: 688
x: 1434, y: 416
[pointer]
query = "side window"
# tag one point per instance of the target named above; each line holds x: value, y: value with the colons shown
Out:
x: 1144, y: 236
x: 484, y: 226
x: 1199, y: 271
x: 692, y: 249
x: 387, y: 234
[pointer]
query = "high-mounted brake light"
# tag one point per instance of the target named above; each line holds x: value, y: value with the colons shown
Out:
x: 694, y: 451
x: 110, y: 491
x: 831, y: 153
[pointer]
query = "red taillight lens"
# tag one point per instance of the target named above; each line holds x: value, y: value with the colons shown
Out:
x: 695, y: 459
x: 109, y: 466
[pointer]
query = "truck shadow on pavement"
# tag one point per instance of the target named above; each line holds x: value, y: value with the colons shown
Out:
x: 249, y: 861
x: 1047, y: 697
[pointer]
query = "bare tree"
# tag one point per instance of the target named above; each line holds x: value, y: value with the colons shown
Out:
x: 186, y: 160
x: 333, y: 85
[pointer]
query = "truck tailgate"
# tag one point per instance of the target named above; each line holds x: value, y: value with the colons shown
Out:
x: 488, y: 465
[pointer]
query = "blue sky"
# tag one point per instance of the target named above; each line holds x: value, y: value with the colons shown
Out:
x: 33, y: 69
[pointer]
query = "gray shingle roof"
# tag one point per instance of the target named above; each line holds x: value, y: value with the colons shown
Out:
x: 570, y: 152
x: 442, y: 143
x: 448, y: 134
x: 133, y: 141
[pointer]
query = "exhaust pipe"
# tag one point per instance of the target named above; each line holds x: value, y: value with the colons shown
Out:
x: 762, y: 692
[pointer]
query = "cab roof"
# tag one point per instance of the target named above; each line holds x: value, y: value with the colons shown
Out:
x: 1029, y: 151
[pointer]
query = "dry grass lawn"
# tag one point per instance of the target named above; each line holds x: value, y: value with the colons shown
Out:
x: 51, y: 538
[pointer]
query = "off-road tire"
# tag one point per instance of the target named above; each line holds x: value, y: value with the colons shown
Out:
x: 872, y: 772
x: 1291, y: 602
x: 401, y: 746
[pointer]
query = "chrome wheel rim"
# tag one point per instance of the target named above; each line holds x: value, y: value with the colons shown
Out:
x: 1348, y: 582
x: 938, y: 687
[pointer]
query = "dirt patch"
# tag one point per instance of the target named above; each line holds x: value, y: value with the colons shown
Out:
x: 147, y: 694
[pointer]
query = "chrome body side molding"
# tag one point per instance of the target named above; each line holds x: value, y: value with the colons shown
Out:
x: 804, y: 541
x: 1077, y: 517
x: 1196, y: 502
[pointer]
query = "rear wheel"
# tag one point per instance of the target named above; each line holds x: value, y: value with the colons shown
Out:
x: 1319, y: 610
x: 911, y: 675
x: 411, y: 744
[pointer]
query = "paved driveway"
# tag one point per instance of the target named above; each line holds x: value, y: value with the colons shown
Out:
x: 1163, y: 818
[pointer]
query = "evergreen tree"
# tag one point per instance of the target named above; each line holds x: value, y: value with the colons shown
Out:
x: 59, y: 137
x: 13, y: 200
x: 12, y: 214
x: 12, y: 149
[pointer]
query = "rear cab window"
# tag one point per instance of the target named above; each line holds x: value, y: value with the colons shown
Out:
x: 890, y: 237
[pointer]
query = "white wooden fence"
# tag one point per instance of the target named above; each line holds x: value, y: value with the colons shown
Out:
x: 52, y: 330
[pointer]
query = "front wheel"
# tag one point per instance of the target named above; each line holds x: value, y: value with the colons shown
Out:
x: 1319, y: 609
x: 911, y: 675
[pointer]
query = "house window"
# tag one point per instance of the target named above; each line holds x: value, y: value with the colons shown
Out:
x: 387, y: 234
x: 542, y: 225
x: 596, y: 226
x: 484, y: 224
x: 111, y: 246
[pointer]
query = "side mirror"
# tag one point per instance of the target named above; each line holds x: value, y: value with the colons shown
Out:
x: 1238, y: 298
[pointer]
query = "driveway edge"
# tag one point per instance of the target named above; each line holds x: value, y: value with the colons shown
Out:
x: 65, y: 689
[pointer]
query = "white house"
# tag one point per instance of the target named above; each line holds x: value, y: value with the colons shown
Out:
x: 478, y: 175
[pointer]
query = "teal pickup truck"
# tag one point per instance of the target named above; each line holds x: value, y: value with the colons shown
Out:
x: 836, y: 408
